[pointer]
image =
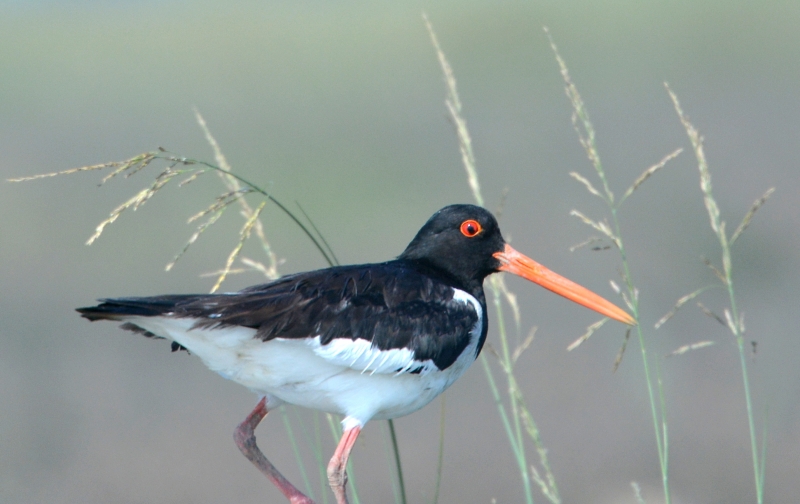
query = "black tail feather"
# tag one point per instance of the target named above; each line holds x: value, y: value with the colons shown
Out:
x: 120, y: 308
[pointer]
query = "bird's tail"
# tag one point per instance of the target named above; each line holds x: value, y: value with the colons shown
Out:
x: 122, y: 308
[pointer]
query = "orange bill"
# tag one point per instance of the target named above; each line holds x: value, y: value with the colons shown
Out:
x: 522, y: 265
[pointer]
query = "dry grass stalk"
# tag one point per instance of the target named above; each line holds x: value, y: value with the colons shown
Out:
x: 746, y: 221
x: 126, y: 164
x: 702, y: 164
x: 687, y: 348
x: 589, y: 331
x: 191, y: 178
x: 600, y: 226
x: 523, y: 346
x: 200, y: 229
x: 255, y: 265
x: 583, y: 180
x: 221, y: 201
x: 244, y: 234
x: 453, y: 104
x: 233, y: 185
x: 682, y: 301
x: 142, y: 161
x: 580, y: 120
x: 649, y: 172
x: 135, y: 202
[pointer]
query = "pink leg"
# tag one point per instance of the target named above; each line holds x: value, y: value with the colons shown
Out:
x: 245, y: 438
x: 337, y: 474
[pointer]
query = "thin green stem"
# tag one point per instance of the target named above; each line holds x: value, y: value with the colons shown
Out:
x: 655, y: 412
x: 763, y: 446
x: 293, y: 442
x: 515, y: 436
x: 390, y: 461
x: 757, y: 472
x: 315, y: 442
x: 734, y: 321
x: 586, y: 136
x: 323, y: 473
x: 440, y: 462
x: 399, y: 467
x: 321, y: 236
x: 506, y: 423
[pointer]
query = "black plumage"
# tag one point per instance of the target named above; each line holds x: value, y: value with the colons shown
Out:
x: 389, y: 304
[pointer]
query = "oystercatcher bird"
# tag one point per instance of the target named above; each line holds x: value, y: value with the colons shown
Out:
x: 372, y: 341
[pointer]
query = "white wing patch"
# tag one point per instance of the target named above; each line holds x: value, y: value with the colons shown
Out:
x: 361, y: 356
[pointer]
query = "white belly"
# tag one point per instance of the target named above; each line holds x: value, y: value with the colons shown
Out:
x: 293, y: 372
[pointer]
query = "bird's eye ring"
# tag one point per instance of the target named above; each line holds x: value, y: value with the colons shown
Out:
x: 471, y: 228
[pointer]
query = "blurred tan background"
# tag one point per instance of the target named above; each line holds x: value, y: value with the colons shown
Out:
x: 340, y: 106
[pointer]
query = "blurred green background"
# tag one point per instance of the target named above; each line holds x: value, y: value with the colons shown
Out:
x: 339, y: 105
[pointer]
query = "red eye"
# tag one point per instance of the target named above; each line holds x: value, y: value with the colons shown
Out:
x: 470, y: 228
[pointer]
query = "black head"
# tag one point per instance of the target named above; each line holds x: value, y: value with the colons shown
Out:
x: 460, y: 242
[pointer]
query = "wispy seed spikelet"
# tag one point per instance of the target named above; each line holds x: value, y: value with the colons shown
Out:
x: 120, y: 165
x: 580, y: 120
x: 589, y: 331
x: 711, y: 314
x: 753, y: 209
x: 191, y: 178
x: 220, y: 202
x: 621, y: 352
x: 243, y: 236
x: 142, y: 160
x: 588, y: 241
x: 255, y: 265
x: 682, y: 301
x: 65, y: 172
x: 207, y: 224
x: 233, y: 185
x: 649, y: 172
x: 637, y: 492
x: 143, y: 165
x: 135, y: 202
x: 687, y: 348
x: 580, y: 178
x: 524, y: 345
x: 600, y: 226
x: 716, y: 270
x: 702, y: 164
x: 453, y: 103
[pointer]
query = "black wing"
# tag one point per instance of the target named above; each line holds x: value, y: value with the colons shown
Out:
x: 390, y: 305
